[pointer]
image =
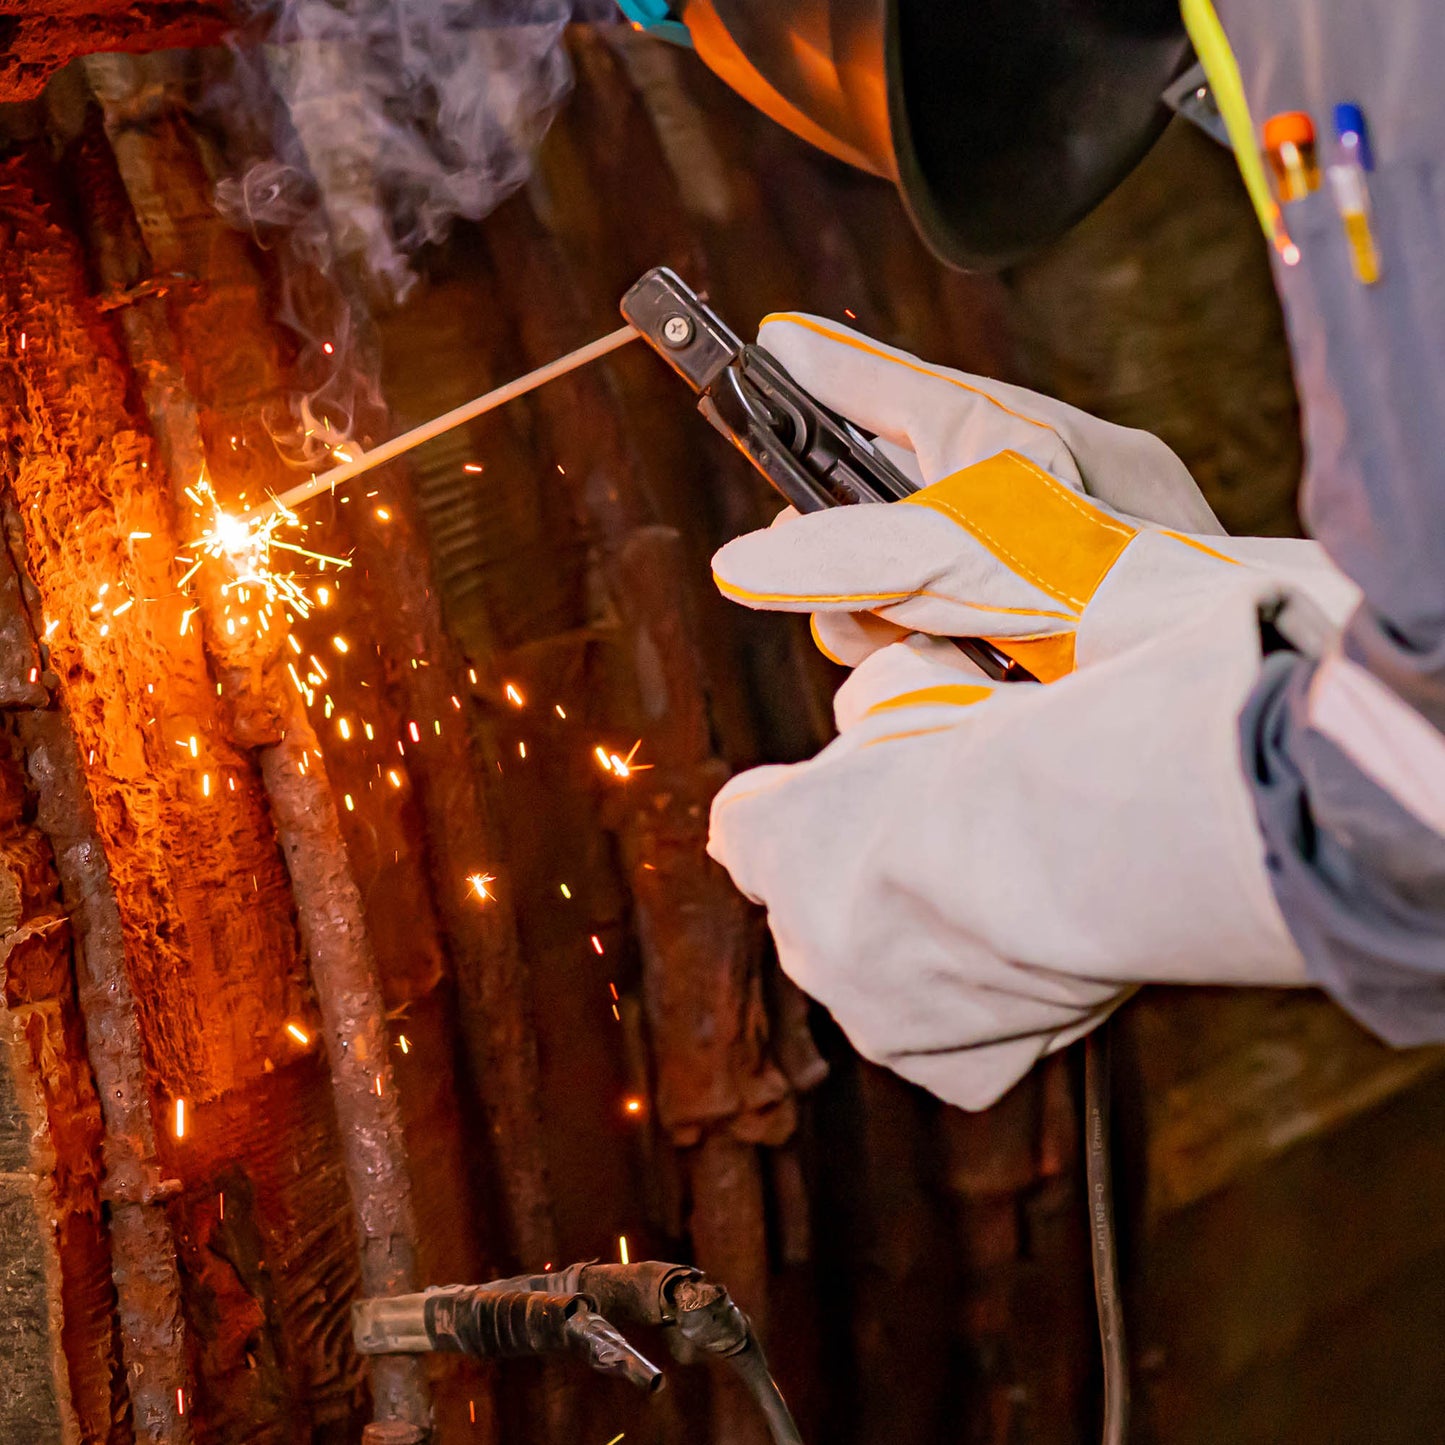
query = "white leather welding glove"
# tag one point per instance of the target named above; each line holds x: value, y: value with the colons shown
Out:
x: 973, y: 875
x: 1061, y: 538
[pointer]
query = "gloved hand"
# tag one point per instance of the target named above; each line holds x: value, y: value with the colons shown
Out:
x: 1061, y: 538
x: 973, y: 874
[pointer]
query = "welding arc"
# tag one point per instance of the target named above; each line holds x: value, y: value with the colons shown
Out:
x: 397, y: 446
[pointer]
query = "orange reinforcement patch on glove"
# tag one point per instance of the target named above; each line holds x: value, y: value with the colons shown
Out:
x: 1037, y: 527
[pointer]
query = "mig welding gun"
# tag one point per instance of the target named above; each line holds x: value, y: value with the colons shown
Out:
x: 570, y: 1311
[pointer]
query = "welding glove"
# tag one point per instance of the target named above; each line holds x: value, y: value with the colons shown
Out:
x: 1061, y: 538
x: 973, y: 875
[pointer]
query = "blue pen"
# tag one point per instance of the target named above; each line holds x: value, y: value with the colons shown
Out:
x: 1352, y: 191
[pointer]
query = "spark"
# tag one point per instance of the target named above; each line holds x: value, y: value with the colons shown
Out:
x: 205, y: 785
x: 475, y: 468
x: 596, y: 945
x: 403, y: 1043
x: 248, y: 546
x: 472, y: 674
x: 621, y: 768
x: 414, y: 731
x: 298, y: 1033
x: 350, y: 804
x: 618, y: 1436
x: 622, y: 1249
x: 342, y: 455
x: 378, y: 1086
x: 341, y: 644
x: 194, y: 746
x: 522, y: 750
x: 514, y: 695
x: 51, y: 626
x: 633, y: 1106
x: 344, y: 728
x: 139, y: 537
x: 180, y: 1400
x: 566, y: 891
x: 382, y: 515
x: 560, y: 711
x: 180, y: 1119
x: 328, y: 348
x: 393, y: 777
x: 479, y: 882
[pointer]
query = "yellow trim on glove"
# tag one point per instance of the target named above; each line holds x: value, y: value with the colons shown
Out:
x: 807, y: 323
x: 1036, y: 526
x: 951, y: 694
x: 1048, y: 658
x: 1201, y: 547
x: 818, y: 639
x: 869, y: 601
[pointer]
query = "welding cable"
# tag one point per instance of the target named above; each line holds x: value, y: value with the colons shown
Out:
x: 1098, y: 1172
x: 751, y: 1367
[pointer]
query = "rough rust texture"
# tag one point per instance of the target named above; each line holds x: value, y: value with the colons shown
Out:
x: 143, y: 1263
x: 344, y: 969
x: 37, y: 37
x: 63, y: 1375
x: 331, y: 917
x: 138, y: 691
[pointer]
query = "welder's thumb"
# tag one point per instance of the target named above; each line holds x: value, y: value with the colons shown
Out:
x: 952, y: 419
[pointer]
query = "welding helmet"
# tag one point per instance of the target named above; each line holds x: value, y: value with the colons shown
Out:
x: 1002, y: 122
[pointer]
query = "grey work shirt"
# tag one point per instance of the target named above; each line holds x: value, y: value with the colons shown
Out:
x: 1359, y: 876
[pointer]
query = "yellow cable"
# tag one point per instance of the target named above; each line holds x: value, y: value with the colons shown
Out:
x: 1212, y: 47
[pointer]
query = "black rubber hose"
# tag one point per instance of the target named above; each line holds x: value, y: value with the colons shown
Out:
x: 1099, y: 1180
x: 752, y: 1368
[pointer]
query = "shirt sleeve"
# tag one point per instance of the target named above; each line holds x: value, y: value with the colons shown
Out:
x: 1346, y: 754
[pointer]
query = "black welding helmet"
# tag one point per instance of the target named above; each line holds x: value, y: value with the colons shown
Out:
x: 1003, y: 122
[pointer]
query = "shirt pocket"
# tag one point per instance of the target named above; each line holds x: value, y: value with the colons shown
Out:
x: 1370, y: 370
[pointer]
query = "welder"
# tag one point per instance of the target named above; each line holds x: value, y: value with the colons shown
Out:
x: 1231, y: 769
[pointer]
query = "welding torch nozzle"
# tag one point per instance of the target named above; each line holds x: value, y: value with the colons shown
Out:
x: 502, y: 1324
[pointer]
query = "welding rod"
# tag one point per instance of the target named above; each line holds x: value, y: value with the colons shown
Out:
x: 388, y: 451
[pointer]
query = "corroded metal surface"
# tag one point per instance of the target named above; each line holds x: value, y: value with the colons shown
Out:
x: 37, y: 37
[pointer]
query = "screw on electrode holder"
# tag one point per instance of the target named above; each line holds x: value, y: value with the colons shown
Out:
x: 677, y: 330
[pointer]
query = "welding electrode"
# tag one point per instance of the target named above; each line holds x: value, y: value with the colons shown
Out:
x: 468, y: 411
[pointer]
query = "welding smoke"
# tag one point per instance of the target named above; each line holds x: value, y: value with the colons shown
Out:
x: 398, y: 117
x: 360, y: 131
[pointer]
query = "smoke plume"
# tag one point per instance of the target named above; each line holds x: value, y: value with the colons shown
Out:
x: 359, y: 131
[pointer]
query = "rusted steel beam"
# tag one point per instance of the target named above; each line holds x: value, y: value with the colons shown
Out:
x: 492, y: 976
x: 143, y: 1250
x: 267, y: 715
x: 343, y: 970
x: 49, y: 438
x: 37, y: 37
x: 720, y: 1093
